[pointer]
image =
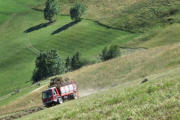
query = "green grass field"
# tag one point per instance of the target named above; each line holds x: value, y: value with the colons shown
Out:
x: 19, y: 49
x: 85, y: 36
x: 152, y: 24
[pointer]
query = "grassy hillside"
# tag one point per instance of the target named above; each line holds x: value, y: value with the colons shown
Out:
x: 154, y: 64
x: 156, y: 99
x: 130, y: 15
x: 157, y: 37
x: 24, y: 33
x: 19, y: 48
x: 9, y: 7
x: 168, y: 35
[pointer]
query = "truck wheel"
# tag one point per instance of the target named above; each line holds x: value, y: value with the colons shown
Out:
x: 60, y: 101
x: 75, y: 96
x: 48, y: 105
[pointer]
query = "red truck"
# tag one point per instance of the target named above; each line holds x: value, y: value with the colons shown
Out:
x: 57, y: 95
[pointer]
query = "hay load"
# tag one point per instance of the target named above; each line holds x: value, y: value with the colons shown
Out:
x: 59, y: 81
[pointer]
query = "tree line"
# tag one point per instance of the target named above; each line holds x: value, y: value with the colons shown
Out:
x: 50, y: 63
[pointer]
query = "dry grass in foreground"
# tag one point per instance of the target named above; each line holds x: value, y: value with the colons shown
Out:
x: 124, y: 72
x: 157, y: 98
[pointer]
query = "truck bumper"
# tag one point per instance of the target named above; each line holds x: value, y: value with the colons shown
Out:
x: 50, y: 102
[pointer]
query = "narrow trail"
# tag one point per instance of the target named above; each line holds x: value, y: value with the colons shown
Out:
x: 6, y: 23
x: 22, y: 113
x: 30, y: 47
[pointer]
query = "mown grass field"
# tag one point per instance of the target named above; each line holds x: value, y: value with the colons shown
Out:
x: 19, y: 49
x: 9, y: 7
x: 86, y: 36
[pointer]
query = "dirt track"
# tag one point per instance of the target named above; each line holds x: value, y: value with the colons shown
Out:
x: 22, y: 113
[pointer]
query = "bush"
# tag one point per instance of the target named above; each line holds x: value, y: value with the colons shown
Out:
x: 77, y: 11
x: 47, y: 64
x: 109, y: 53
x: 51, y: 10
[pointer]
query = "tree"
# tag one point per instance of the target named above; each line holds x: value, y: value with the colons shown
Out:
x: 75, y: 62
x: 47, y: 64
x: 77, y: 11
x: 109, y: 53
x: 68, y: 64
x: 103, y: 54
x: 113, y: 51
x: 51, y: 10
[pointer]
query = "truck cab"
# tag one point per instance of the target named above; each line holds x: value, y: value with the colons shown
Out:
x: 51, y: 97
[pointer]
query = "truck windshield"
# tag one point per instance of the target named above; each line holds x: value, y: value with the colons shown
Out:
x: 47, y: 94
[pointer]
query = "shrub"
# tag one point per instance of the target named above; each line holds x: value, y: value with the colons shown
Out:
x: 47, y: 64
x: 109, y: 53
x: 51, y: 10
x: 77, y: 11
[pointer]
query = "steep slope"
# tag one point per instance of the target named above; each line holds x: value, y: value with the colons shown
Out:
x: 25, y: 33
x: 156, y: 99
x: 130, y: 15
x: 155, y: 64
x: 168, y: 35
x: 157, y: 37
